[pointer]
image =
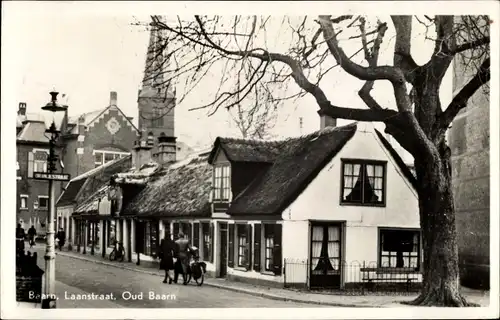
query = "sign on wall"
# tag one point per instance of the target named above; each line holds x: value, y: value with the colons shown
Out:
x: 51, y: 176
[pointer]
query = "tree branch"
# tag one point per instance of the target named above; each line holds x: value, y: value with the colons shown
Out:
x: 460, y: 100
x: 363, y: 73
x: 402, y: 49
x: 471, y: 45
x: 398, y: 81
x: 372, y: 59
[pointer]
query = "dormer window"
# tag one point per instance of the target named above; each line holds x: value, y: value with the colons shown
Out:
x: 363, y: 182
x: 222, y: 183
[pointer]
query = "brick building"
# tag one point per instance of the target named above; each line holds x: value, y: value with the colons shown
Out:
x: 31, y: 152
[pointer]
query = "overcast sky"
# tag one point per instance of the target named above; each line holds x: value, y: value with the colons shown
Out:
x: 88, y: 55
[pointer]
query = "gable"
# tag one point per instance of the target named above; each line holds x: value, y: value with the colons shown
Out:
x: 298, y: 163
x: 220, y: 157
x: 321, y: 198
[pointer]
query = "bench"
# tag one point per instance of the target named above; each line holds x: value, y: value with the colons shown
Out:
x: 390, y: 274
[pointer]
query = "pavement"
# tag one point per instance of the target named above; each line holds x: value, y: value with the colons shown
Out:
x: 92, y: 273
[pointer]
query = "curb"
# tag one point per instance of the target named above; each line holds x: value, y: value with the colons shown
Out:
x: 234, y: 289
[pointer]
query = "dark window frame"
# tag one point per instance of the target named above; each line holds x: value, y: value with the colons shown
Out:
x: 241, y: 254
x: 363, y: 163
x: 418, y: 256
x: 46, y: 198
x: 205, y: 231
x: 268, y: 229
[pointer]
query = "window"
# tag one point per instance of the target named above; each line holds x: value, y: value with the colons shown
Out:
x: 399, y: 249
x: 43, y: 202
x: 37, y: 161
x: 221, y: 183
x: 40, y: 163
x: 205, y: 227
x: 242, y: 245
x: 23, y: 202
x: 268, y: 247
x: 151, y: 238
x: 363, y: 182
x: 101, y: 156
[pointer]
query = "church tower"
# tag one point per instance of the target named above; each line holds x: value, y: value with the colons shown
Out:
x: 156, y: 99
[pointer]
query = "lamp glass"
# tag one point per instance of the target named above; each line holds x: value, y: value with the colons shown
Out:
x: 50, y: 117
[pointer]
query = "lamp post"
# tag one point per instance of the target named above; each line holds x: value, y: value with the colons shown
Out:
x: 52, y: 133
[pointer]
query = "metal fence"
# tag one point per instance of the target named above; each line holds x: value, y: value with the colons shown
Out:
x: 354, y: 277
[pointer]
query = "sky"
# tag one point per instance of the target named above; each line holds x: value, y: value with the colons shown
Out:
x: 86, y: 56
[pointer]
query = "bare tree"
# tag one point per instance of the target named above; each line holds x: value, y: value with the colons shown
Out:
x: 419, y: 121
x: 256, y: 115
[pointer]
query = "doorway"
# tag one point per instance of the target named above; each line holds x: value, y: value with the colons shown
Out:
x: 223, y: 249
x: 325, y: 257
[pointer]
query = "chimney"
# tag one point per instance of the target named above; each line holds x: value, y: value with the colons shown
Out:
x: 142, y: 151
x: 113, y: 97
x: 167, y: 149
x: 81, y: 124
x: 326, y: 120
x: 22, y: 109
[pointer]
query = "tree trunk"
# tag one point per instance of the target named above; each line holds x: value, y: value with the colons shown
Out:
x: 441, y: 285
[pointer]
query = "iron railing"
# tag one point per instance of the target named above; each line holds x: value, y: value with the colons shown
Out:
x: 354, y: 277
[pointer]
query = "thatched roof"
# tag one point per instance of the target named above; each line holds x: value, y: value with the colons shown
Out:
x: 405, y: 169
x: 182, y: 189
x: 298, y: 163
x: 240, y: 150
x: 91, y: 204
x: 137, y: 176
x: 84, y: 185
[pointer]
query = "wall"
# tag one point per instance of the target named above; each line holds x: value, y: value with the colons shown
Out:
x: 322, y: 196
x: 469, y: 140
x: 98, y: 137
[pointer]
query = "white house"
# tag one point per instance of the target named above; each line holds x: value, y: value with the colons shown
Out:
x: 313, y: 210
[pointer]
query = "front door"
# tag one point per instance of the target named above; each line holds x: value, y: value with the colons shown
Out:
x: 325, y: 269
x: 223, y: 250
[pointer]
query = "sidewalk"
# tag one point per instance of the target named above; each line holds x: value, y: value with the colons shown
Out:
x: 301, y: 296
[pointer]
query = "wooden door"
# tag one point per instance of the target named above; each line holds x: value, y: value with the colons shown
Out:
x: 223, y: 250
x: 325, y: 258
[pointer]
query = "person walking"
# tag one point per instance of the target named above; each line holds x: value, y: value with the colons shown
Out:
x: 168, y: 251
x: 20, y: 236
x: 31, y: 236
x: 61, y: 236
x: 183, y: 258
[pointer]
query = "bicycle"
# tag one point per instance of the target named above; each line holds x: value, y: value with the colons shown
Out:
x: 118, y: 253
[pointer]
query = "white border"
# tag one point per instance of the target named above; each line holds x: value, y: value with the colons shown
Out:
x: 107, y: 9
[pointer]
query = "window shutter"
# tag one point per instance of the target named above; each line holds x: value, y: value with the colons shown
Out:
x: 196, y: 235
x: 230, y: 258
x: 211, y: 244
x: 257, y: 250
x: 188, y: 232
x: 176, y: 230
x: 277, y: 249
x: 30, y: 164
x: 249, y: 247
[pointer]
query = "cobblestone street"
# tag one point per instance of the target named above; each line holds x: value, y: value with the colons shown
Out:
x: 95, y: 278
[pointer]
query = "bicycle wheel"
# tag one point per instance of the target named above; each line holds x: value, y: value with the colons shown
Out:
x: 122, y: 256
x: 112, y: 255
x: 199, y: 281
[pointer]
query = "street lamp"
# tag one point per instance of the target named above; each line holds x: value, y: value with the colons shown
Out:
x: 52, y: 132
